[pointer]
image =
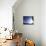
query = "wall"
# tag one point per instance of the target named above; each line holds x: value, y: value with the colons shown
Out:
x: 43, y: 22
x: 6, y: 18
x: 29, y: 8
x: 6, y: 13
